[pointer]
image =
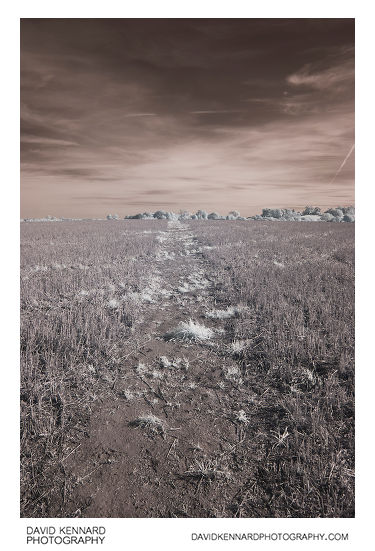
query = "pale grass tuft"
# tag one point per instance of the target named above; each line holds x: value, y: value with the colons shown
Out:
x: 141, y: 369
x: 84, y: 293
x: 239, y: 346
x: 184, y: 362
x: 151, y: 423
x: 190, y: 331
x: 156, y: 374
x: 128, y: 394
x: 206, y: 469
x: 233, y: 373
x: 241, y: 416
x: 230, y: 312
x: 164, y: 362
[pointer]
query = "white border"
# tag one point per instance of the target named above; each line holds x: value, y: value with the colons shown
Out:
x: 164, y: 533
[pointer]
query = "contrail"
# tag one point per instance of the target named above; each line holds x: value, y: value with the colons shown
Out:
x: 342, y: 164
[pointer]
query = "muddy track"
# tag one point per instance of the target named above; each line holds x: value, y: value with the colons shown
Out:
x: 131, y: 466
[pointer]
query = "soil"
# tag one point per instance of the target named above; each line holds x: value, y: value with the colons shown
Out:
x: 124, y: 469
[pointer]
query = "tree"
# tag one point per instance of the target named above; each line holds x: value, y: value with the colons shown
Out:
x: 327, y: 217
x: 160, y: 214
x: 312, y: 210
x: 277, y: 213
x: 184, y: 215
x: 201, y: 215
x: 348, y: 210
x: 335, y: 212
x: 171, y: 216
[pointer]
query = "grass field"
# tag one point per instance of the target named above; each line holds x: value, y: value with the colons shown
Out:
x: 196, y: 369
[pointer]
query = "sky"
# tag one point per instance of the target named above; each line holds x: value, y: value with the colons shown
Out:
x: 132, y: 115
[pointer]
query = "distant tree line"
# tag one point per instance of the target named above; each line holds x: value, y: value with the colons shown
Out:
x: 309, y: 214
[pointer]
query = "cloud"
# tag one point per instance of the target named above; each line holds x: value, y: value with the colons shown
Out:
x: 328, y: 79
x: 336, y: 76
x: 140, y: 115
x: 203, y: 110
x: 155, y: 191
x: 323, y: 86
x: 46, y: 141
x: 215, y: 112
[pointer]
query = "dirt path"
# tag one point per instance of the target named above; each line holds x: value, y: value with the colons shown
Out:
x: 160, y: 446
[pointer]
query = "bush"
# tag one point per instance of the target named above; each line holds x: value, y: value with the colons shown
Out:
x: 327, y: 217
x: 233, y: 214
x: 172, y: 216
x: 272, y: 213
x: 335, y: 212
x: 201, y: 215
x: 311, y: 210
x: 290, y: 214
x: 348, y: 210
x: 160, y: 215
x: 184, y: 215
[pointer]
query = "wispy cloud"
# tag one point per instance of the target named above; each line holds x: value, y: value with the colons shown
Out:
x: 327, y: 79
x: 332, y: 72
x: 215, y: 112
x: 46, y: 141
x: 128, y: 115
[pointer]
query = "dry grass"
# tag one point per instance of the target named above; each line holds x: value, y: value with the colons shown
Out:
x: 229, y: 312
x: 76, y: 331
x: 270, y: 399
x: 151, y: 423
x: 295, y: 351
x: 190, y: 331
x: 206, y: 469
